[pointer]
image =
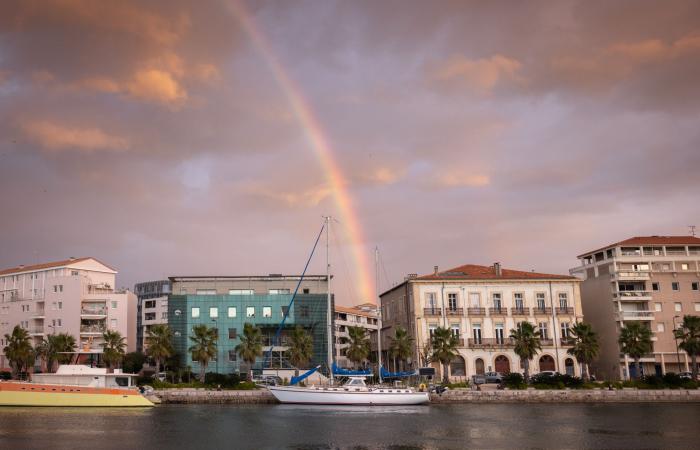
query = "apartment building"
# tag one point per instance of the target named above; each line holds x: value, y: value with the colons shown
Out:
x: 74, y: 296
x: 152, y: 308
x: 227, y: 303
x: 650, y: 279
x: 363, y: 316
x: 480, y: 305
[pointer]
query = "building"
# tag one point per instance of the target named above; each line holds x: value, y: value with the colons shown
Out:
x: 650, y: 279
x: 229, y: 302
x: 363, y: 316
x: 152, y: 308
x: 74, y: 296
x: 481, y: 304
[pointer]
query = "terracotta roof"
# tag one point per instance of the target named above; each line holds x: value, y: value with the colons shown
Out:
x: 49, y: 265
x: 354, y: 310
x: 651, y: 240
x: 475, y: 272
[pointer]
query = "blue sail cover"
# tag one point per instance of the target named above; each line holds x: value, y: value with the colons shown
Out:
x: 345, y: 372
x: 386, y: 374
x: 303, y: 376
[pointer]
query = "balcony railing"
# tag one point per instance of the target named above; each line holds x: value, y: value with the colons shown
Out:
x: 92, y: 328
x: 490, y: 343
x: 476, y: 311
x: 546, y: 342
x: 636, y: 315
x: 498, y: 311
x: 460, y: 342
x: 541, y: 311
x: 566, y: 341
x: 432, y: 311
x: 38, y: 312
x: 631, y: 295
x: 631, y: 275
x: 455, y: 311
x: 520, y: 311
x: 36, y: 330
x: 94, y: 311
x: 565, y: 310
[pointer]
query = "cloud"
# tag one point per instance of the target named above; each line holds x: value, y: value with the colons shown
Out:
x: 481, y: 74
x: 156, y: 85
x: 54, y: 137
x: 455, y: 179
x: 289, y: 198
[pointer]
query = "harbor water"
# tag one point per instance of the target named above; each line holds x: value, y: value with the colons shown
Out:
x: 639, y: 425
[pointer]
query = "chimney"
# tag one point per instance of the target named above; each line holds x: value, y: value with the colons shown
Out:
x: 497, y: 268
x: 435, y: 268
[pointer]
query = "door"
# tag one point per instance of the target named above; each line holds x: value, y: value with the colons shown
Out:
x: 479, y: 365
x: 502, y: 364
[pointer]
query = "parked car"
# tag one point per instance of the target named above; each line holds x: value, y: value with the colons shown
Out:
x: 267, y: 380
x: 160, y: 376
x: 548, y: 373
x: 493, y: 377
x: 686, y: 375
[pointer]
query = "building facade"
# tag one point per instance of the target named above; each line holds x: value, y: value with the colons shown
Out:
x: 74, y: 296
x: 653, y: 280
x: 363, y: 316
x: 152, y: 308
x: 227, y: 303
x: 480, y: 305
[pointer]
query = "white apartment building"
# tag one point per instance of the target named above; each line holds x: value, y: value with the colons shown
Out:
x: 481, y: 304
x: 74, y: 296
x: 363, y: 316
x: 654, y: 280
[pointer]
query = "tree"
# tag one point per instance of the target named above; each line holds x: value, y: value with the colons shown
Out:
x: 55, y: 347
x: 301, y: 347
x: 527, y: 344
x: 250, y: 346
x: 204, y: 347
x: 585, y: 346
x: 358, y: 349
x: 401, y: 346
x: 133, y: 362
x: 426, y: 353
x: 19, y: 351
x: 160, y: 344
x: 689, y: 336
x: 113, y: 348
x: 444, y: 349
x: 635, y: 341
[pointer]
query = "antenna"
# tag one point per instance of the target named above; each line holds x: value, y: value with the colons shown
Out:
x: 692, y: 230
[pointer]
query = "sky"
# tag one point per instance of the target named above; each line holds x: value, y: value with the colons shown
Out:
x: 209, y: 138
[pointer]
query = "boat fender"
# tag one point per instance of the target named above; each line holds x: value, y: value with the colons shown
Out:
x: 422, y: 387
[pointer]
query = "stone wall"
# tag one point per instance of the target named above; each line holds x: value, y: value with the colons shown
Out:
x: 213, y: 397
x: 567, y: 396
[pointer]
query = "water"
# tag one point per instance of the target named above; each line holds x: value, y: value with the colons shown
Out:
x: 320, y: 427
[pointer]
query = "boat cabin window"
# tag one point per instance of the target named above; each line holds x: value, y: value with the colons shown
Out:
x: 356, y: 382
x: 122, y: 381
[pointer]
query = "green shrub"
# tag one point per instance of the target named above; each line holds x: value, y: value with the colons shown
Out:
x: 463, y: 384
x: 514, y: 380
x: 673, y: 380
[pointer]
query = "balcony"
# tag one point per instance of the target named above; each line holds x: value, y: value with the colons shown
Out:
x: 455, y: 311
x: 633, y: 296
x: 432, y: 312
x: 476, y: 311
x: 92, y: 329
x: 490, y: 343
x: 93, y: 311
x: 38, y: 314
x: 546, y: 342
x: 565, y: 310
x: 36, y: 331
x: 520, y: 311
x: 636, y: 315
x: 566, y: 341
x: 542, y: 311
x: 498, y: 311
x: 460, y: 342
x: 630, y: 275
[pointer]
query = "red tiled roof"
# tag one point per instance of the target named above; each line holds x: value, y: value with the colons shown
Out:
x: 651, y: 240
x: 475, y: 272
x: 49, y: 265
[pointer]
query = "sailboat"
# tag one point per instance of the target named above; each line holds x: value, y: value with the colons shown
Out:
x: 354, y: 391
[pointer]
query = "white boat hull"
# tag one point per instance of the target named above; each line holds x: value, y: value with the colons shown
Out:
x: 342, y: 396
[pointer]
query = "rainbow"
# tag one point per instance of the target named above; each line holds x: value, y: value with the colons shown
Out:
x: 322, y: 148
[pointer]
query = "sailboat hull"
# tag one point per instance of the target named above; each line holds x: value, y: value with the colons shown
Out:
x: 344, y: 396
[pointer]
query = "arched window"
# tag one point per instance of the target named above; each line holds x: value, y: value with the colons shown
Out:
x: 457, y: 367
x: 569, y: 364
x: 502, y: 364
x: 547, y: 363
x: 479, y: 366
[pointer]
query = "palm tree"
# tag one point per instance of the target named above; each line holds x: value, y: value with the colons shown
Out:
x: 444, y: 349
x: 301, y: 347
x: 113, y: 348
x: 204, y: 347
x: 585, y: 346
x: 635, y: 341
x: 250, y: 347
x: 65, y: 344
x: 401, y: 345
x: 19, y: 351
x: 359, y: 349
x: 55, y: 347
x: 527, y: 344
x: 160, y: 344
x: 689, y: 335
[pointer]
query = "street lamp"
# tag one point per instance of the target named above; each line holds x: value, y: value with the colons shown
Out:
x: 675, y: 338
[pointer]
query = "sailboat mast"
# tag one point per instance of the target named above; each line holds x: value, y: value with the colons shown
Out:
x: 328, y: 299
x: 379, y: 311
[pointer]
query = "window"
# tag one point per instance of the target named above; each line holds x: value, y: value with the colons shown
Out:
x: 455, y: 330
x: 675, y: 286
x: 114, y: 305
x: 149, y: 304
x: 232, y: 311
x: 60, y: 324
x: 678, y: 307
x: 306, y: 290
x: 519, y: 305
x: 474, y: 299
x: 540, y: 300
x: 684, y: 266
x: 697, y: 307
x: 267, y: 311
x: 232, y: 334
x: 213, y: 312
x: 285, y: 310
x: 499, y: 333
x: 74, y: 272
x: 660, y: 328
x: 195, y: 312
x: 241, y: 292
x: 164, y: 315
x: 694, y: 285
x: 431, y: 329
x: 543, y: 330
x: 452, y: 301
x: 205, y: 292
x: 55, y: 288
x: 250, y: 311
x: 303, y: 311
x: 150, y: 316
x: 563, y: 300
x: 565, y: 330
x: 476, y: 332
x: 232, y: 356
x: 278, y: 291
x: 657, y: 307
x: 112, y: 323
x: 496, y: 297
x: 430, y: 300
x: 655, y: 286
